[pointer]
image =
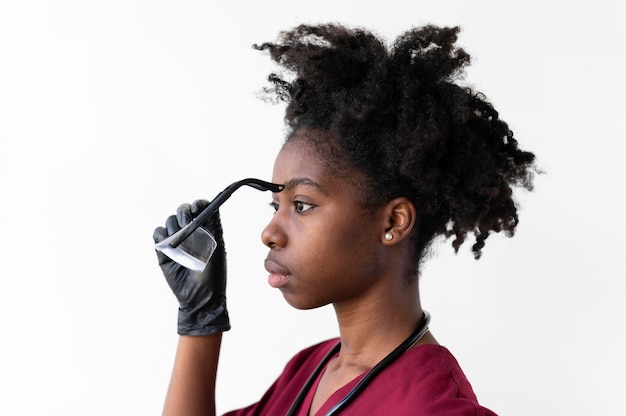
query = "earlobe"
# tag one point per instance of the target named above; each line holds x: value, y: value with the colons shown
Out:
x: 400, y: 217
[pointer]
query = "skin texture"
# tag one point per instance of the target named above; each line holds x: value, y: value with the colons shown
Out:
x: 192, y: 386
x: 334, y: 251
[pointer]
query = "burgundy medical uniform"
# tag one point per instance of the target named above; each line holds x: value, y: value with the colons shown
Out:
x: 425, y: 381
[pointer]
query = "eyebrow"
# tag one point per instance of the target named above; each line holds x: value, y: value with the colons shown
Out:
x: 292, y: 183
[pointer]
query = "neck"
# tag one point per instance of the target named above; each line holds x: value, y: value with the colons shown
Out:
x: 372, y: 327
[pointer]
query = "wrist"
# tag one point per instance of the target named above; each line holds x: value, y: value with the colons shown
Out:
x: 204, y: 321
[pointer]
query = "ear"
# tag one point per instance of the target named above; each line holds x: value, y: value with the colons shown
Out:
x: 400, y: 217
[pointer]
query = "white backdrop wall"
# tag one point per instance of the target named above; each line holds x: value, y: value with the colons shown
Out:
x: 112, y: 113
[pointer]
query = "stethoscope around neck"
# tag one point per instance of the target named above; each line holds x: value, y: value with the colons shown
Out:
x: 367, y: 378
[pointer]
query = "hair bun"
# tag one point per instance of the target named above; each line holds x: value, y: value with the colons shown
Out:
x: 430, y: 54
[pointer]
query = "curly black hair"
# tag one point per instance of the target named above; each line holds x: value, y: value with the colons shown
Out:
x: 399, y: 115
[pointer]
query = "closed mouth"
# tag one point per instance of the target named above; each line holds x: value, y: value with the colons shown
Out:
x: 274, y: 267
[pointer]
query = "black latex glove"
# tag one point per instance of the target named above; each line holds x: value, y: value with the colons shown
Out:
x: 201, y: 295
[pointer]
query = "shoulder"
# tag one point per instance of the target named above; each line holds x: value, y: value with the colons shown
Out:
x: 438, y: 382
x: 426, y: 380
x: 439, y: 367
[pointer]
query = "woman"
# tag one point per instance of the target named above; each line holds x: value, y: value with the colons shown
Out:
x: 385, y: 152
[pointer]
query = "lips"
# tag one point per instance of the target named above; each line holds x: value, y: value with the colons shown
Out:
x: 278, y: 275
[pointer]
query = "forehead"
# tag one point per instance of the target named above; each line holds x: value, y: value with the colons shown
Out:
x: 299, y: 160
x: 298, y: 163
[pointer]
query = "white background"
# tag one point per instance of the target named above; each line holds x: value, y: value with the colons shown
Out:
x: 112, y: 113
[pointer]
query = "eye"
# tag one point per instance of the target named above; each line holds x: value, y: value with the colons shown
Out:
x: 274, y: 206
x: 302, y: 206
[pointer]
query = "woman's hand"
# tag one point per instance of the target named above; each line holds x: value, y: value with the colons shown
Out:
x: 201, y: 295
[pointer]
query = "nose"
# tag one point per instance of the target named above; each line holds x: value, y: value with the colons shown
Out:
x: 273, y: 235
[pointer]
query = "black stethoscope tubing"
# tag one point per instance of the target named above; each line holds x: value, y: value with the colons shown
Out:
x: 356, y: 390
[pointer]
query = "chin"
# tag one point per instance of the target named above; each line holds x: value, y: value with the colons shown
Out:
x: 302, y: 303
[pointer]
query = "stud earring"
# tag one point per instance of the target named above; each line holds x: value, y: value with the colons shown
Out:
x: 388, y: 236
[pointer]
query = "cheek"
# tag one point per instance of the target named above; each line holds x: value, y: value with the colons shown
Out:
x: 348, y: 250
x: 319, y: 251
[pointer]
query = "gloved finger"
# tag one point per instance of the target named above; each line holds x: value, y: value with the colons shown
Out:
x: 198, y: 206
x: 183, y: 214
x: 159, y: 234
x: 172, y: 225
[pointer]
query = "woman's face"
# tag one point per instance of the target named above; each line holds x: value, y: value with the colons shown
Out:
x: 324, y: 247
